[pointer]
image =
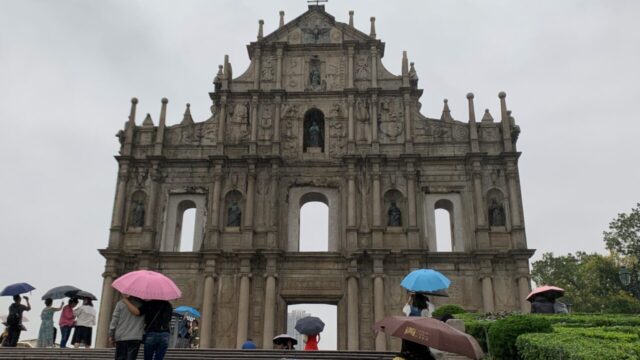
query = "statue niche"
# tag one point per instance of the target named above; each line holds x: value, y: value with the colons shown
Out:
x: 313, y: 141
x: 137, y: 210
x: 233, y: 209
x: 496, y: 212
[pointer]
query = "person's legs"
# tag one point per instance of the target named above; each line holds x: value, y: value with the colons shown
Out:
x: 65, y: 331
x: 162, y: 345
x: 14, y: 336
x: 133, y: 346
x: 121, y: 350
x: 149, y: 345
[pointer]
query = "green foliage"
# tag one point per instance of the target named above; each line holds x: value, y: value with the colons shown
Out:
x: 581, y: 344
x: 591, y: 320
x: 624, y: 233
x: 503, y: 334
x: 448, y: 310
x: 590, y: 280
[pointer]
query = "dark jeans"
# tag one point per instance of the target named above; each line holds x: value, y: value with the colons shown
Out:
x: 65, y: 333
x: 127, y: 350
x: 12, y: 336
x: 155, y: 345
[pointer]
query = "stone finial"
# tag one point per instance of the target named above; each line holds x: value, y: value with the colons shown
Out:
x: 446, y: 112
x: 164, y: 100
x: 260, y: 29
x: 472, y: 111
x: 372, y: 33
x: 487, y: 116
x: 405, y: 63
x: 351, y: 18
x: 281, y: 19
x: 226, y: 70
x: 147, y: 120
x: 132, y: 113
x: 187, y: 119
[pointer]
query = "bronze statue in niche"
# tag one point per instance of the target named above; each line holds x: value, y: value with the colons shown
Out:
x: 234, y: 215
x: 313, y: 131
x: 496, y: 214
x: 394, y: 215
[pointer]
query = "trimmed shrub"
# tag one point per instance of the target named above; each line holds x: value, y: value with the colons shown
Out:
x: 581, y: 344
x: 448, y: 310
x: 503, y: 334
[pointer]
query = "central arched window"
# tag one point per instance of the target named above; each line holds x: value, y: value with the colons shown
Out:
x: 314, y: 223
x: 444, y: 225
x: 313, y: 137
x: 185, y: 226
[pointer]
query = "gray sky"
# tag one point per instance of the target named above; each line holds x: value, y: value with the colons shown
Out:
x: 69, y: 68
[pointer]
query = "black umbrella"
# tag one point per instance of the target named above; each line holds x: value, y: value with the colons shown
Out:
x: 59, y: 292
x: 81, y: 294
x: 309, y: 325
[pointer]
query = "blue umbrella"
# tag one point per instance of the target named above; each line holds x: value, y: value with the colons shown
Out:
x: 16, y: 289
x: 187, y: 310
x: 425, y: 280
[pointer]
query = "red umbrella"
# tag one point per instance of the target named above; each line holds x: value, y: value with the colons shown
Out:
x: 430, y: 332
x: 548, y: 290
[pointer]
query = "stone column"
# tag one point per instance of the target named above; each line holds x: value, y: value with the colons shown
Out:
x: 214, y: 222
x: 477, y: 193
x: 523, y: 290
x: 276, y: 123
x: 149, y: 218
x: 374, y: 67
x: 352, y: 132
x: 411, y: 190
x: 256, y: 69
x: 408, y: 136
x: 248, y: 208
x: 279, y: 52
x: 376, y: 196
x: 513, y: 196
x: 273, y: 204
x: 350, y: 53
x: 351, y: 203
x: 243, y: 300
x: 374, y: 119
x: 254, y: 118
x: 353, y: 319
x: 206, y: 322
x: 378, y: 309
x: 269, y: 304
x: 106, y: 310
x: 487, y: 294
x: 118, y: 214
x: 222, y: 120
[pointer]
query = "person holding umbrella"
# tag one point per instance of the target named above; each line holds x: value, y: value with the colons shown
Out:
x: 14, y: 320
x: 126, y: 330
x: 67, y: 321
x: 311, y: 327
x: 85, y: 320
x: 46, y: 333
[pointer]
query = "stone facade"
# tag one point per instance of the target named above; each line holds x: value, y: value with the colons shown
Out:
x: 317, y: 117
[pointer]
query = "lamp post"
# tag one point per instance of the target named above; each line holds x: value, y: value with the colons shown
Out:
x: 628, y: 280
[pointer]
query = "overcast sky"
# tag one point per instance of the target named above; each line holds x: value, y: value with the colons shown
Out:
x: 68, y: 70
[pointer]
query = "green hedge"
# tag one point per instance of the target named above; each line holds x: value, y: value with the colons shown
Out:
x: 592, y: 320
x: 621, y: 343
x: 504, y: 332
x: 448, y: 310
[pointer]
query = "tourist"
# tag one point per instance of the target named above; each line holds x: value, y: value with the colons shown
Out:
x: 542, y: 305
x: 46, y: 333
x: 195, y: 335
x: 311, y: 342
x: 14, y: 320
x: 126, y: 330
x: 85, y: 320
x: 67, y: 321
x: 157, y: 322
x: 249, y: 345
x: 418, y: 305
x: 184, y: 332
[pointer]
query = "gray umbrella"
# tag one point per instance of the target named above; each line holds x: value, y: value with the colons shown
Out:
x: 58, y: 292
x: 309, y: 325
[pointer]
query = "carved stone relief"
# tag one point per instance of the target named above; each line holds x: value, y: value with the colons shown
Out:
x: 295, y: 36
x: 390, y: 120
x: 337, y: 142
x: 335, y: 76
x: 336, y: 36
x: 362, y: 119
x: 432, y: 131
x: 489, y: 134
x: 238, y: 129
x: 290, y: 115
x: 266, y: 122
x: 460, y: 132
x: 315, y: 30
x: 362, y: 68
x: 293, y: 74
x: 267, y: 69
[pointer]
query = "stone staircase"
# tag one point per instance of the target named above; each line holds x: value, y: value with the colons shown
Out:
x: 180, y: 354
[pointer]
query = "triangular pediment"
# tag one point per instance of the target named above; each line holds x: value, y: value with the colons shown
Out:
x: 315, y: 26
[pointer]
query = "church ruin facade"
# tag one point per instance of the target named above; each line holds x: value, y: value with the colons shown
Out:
x: 317, y: 117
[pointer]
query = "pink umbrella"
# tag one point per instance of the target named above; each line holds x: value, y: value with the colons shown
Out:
x: 147, y: 285
x: 550, y: 290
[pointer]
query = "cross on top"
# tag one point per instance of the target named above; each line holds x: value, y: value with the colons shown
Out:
x: 317, y: 2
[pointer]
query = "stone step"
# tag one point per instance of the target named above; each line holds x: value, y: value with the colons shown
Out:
x: 180, y: 354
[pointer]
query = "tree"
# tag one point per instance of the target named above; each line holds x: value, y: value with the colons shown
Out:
x: 623, y: 238
x: 590, y: 281
x: 624, y: 233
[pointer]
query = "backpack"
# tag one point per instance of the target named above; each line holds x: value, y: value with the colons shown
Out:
x: 14, y: 317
